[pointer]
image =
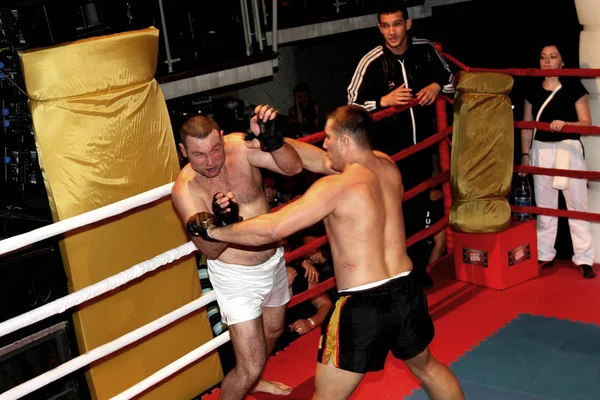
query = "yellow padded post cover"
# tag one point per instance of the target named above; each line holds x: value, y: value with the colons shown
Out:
x: 482, y: 153
x: 103, y: 134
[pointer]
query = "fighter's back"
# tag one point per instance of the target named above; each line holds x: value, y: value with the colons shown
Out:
x: 366, y: 231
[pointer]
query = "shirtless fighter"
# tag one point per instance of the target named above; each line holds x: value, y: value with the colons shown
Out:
x: 250, y: 282
x: 380, y: 307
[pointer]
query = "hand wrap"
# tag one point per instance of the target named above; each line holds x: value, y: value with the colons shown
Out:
x: 223, y: 217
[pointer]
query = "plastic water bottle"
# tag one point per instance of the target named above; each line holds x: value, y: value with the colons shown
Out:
x: 522, y: 195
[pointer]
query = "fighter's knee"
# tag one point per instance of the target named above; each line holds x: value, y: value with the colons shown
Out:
x: 422, y: 365
x: 273, y: 332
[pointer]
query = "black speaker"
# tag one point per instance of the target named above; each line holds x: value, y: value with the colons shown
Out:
x: 36, y: 354
x: 29, y: 278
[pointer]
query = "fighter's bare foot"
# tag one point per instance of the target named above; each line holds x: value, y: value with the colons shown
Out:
x: 277, y: 388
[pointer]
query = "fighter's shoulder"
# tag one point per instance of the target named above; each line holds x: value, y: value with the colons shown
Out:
x: 236, y: 150
x: 330, y: 185
x: 387, y: 168
x: 235, y: 141
x: 382, y: 156
x: 185, y: 184
x: 354, y: 175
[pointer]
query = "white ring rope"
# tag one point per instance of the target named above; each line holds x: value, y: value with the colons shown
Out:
x: 105, y: 285
x: 173, y: 367
x: 106, y: 349
x: 60, y: 305
x: 119, y: 207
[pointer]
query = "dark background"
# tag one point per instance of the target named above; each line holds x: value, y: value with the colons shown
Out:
x: 484, y: 33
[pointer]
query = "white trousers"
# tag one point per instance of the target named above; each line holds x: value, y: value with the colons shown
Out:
x: 543, y: 154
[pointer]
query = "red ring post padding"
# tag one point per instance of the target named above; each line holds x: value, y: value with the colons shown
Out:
x: 444, y: 151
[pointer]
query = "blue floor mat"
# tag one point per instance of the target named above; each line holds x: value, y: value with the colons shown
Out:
x: 532, y: 357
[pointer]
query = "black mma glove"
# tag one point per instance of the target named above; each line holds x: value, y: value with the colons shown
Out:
x: 270, y: 137
x: 223, y: 217
x: 199, y: 223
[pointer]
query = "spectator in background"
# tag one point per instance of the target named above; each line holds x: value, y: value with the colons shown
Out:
x: 304, y: 114
x: 391, y: 75
x: 559, y: 102
x: 272, y: 193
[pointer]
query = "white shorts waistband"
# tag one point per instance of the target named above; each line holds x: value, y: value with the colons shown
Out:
x: 374, y: 284
x: 220, y: 264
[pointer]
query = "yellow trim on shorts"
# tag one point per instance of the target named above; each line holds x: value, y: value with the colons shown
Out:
x: 332, y: 340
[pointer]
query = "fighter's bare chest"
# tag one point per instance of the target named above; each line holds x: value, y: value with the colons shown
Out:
x: 246, y: 187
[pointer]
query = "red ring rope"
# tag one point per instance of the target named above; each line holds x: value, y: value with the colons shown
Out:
x: 378, y: 116
x: 553, y: 212
x: 444, y: 151
x: 545, y: 126
x: 583, y: 73
x: 590, y: 175
x: 438, y: 137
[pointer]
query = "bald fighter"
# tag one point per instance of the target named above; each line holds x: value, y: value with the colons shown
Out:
x: 250, y: 282
x: 380, y: 307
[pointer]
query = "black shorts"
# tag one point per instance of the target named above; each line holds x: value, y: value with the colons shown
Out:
x: 365, y: 325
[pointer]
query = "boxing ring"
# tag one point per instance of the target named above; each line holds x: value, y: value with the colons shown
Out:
x: 441, y: 139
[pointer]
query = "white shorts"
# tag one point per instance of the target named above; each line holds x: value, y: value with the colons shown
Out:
x: 243, y: 290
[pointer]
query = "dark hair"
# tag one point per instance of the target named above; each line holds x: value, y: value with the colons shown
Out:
x: 198, y: 127
x: 569, y: 58
x: 391, y: 7
x: 354, y: 121
x: 551, y: 43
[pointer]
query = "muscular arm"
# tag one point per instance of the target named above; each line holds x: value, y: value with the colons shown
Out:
x: 188, y: 204
x: 285, y: 160
x: 317, y: 203
x: 313, y: 158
